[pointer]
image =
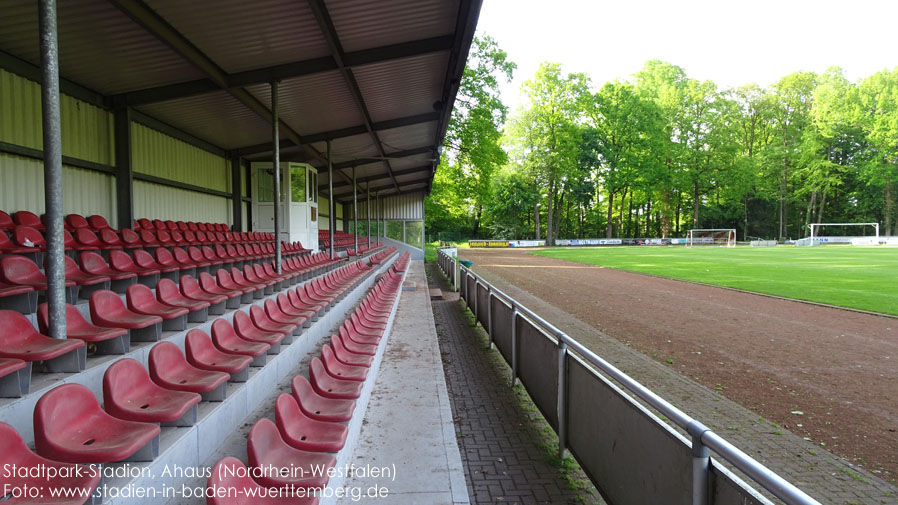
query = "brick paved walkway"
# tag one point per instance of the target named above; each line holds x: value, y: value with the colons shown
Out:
x: 506, y: 446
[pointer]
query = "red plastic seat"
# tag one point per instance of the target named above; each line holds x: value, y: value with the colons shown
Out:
x: 55, y: 476
x: 141, y: 300
x: 164, y: 238
x: 19, y: 340
x: 130, y: 238
x: 108, y: 310
x: 88, y: 240
x: 170, y: 369
x: 264, y: 322
x: 230, y: 484
x: 290, y: 309
x: 167, y: 293
x: 76, y: 326
x: 70, y: 426
x: 8, y: 247
x: 348, y: 332
x: 266, y: 448
x: 318, y: 407
x: 225, y: 281
x: 274, y: 312
x: 129, y: 394
x: 30, y: 219
x: 339, y: 370
x: 203, y: 354
x: 196, y: 256
x: 305, y: 433
x: 330, y: 387
x: 146, y: 261
x: 191, y: 289
x: 28, y: 237
x: 148, y: 238
x: 296, y: 301
x: 93, y: 263
x: 226, y: 340
x: 344, y: 355
x: 240, y: 280
x: 75, y: 221
x: 210, y: 285
x: 245, y: 328
x: 21, y: 271
x: 98, y: 222
x: 119, y: 260
x: 80, y: 277
x: 6, y: 222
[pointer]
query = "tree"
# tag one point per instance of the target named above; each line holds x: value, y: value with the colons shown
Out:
x: 475, y: 126
x: 877, y: 114
x: 547, y: 132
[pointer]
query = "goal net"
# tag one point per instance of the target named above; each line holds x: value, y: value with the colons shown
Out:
x: 841, y: 233
x: 721, y: 237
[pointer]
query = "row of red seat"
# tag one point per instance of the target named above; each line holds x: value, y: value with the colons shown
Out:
x: 21, y: 276
x: 27, y: 240
x: 97, y: 223
x: 311, y: 421
x: 70, y: 426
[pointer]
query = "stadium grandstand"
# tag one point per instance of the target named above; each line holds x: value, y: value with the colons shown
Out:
x: 212, y: 286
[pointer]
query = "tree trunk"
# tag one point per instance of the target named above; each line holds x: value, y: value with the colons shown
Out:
x: 820, y: 208
x: 620, y: 213
x: 648, y: 217
x: 745, y: 218
x: 695, y: 204
x: 810, y: 213
x: 679, y: 207
x: 888, y: 210
x: 630, y: 215
x: 477, y: 216
x: 609, y: 227
x: 550, y: 210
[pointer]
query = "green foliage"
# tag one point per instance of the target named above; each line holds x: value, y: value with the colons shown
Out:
x: 662, y: 152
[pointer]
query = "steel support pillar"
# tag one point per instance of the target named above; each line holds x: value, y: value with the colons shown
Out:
x: 355, y: 212
x: 52, y: 131
x: 331, y: 205
x: 236, y: 195
x: 276, y: 151
x: 124, y: 174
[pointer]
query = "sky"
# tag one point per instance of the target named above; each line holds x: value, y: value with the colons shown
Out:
x: 730, y: 42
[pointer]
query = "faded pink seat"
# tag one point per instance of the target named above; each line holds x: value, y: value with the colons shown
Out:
x: 330, y: 387
x: 108, y: 310
x: 141, y: 300
x: 170, y: 369
x: 318, y: 407
x: 108, y: 340
x: 56, y: 476
x: 266, y: 448
x: 340, y: 370
x: 226, y: 340
x: 203, y: 354
x: 129, y: 394
x: 305, y: 433
x: 231, y: 474
x: 20, y: 340
x: 245, y: 328
x: 70, y: 426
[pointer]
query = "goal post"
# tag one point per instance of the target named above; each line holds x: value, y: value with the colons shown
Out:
x: 861, y: 234
x: 721, y: 237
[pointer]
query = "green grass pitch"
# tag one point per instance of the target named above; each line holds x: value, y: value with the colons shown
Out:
x: 848, y: 276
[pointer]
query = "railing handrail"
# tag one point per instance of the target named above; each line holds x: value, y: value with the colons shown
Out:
x: 765, y: 477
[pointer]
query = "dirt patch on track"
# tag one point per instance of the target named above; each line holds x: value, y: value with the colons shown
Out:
x: 825, y: 374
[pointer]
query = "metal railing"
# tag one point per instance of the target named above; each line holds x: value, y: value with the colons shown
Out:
x: 710, y: 483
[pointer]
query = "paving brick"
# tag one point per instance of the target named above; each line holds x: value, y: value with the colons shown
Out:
x: 503, y: 458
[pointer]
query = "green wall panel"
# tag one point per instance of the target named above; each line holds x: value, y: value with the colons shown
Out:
x: 157, y: 154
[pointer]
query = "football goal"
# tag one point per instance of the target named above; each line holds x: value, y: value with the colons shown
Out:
x: 721, y: 237
x: 842, y: 233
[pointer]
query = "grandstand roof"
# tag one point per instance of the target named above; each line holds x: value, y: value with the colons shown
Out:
x: 377, y: 78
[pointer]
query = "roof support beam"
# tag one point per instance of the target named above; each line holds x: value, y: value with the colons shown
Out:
x: 371, y: 178
x: 343, y: 132
x: 333, y: 42
x: 393, y: 155
x: 385, y: 187
x: 286, y: 71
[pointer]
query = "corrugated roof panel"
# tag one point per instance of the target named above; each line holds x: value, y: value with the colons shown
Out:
x: 215, y: 117
x: 240, y: 35
x: 355, y: 147
x: 405, y: 87
x: 421, y: 160
x: 363, y: 24
x: 314, y: 103
x: 99, y: 47
x: 408, y: 137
